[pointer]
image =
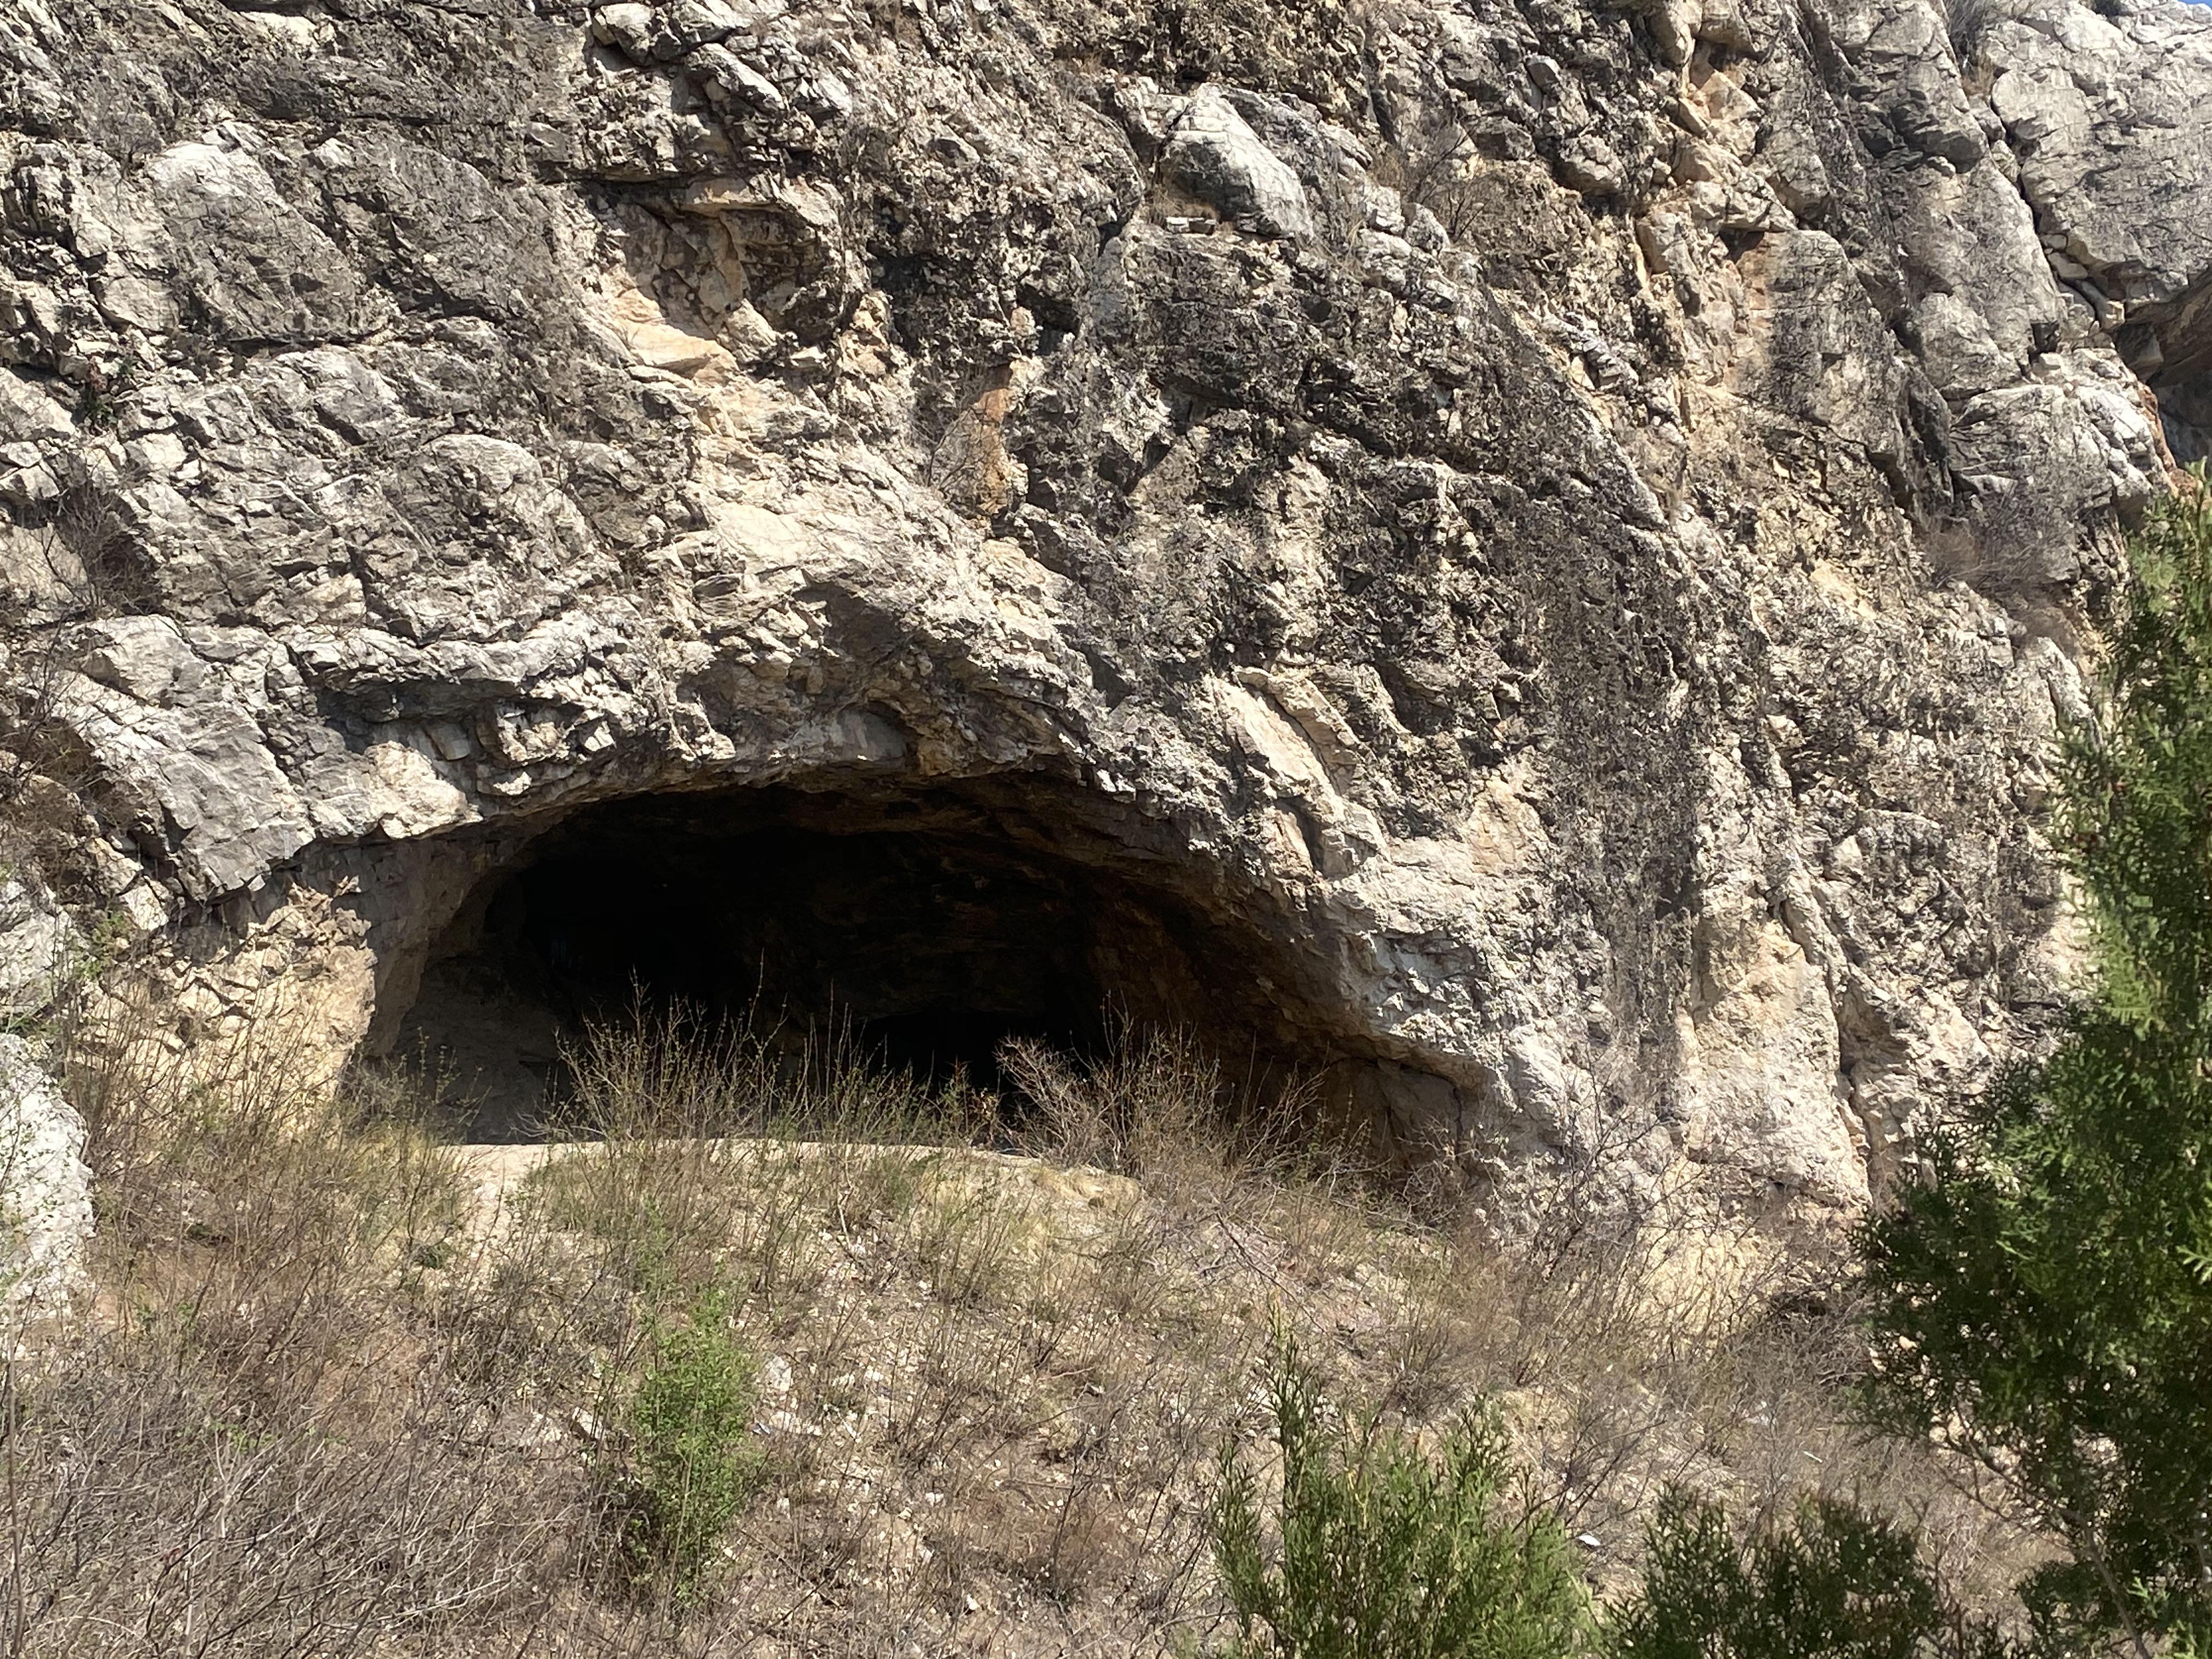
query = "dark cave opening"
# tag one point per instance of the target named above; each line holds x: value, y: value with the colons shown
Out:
x: 934, y: 948
x: 924, y: 929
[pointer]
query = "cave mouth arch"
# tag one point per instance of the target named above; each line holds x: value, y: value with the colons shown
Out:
x: 928, y: 926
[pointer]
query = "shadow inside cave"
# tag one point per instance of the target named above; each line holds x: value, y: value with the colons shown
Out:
x: 921, y: 930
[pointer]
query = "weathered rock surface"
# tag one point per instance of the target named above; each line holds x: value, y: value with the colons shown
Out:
x: 45, y: 1191
x: 2104, y: 114
x: 1549, y: 535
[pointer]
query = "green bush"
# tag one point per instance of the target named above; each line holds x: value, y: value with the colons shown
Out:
x: 688, y: 1464
x: 1839, y: 1584
x: 2044, y: 1301
x: 1383, y: 1551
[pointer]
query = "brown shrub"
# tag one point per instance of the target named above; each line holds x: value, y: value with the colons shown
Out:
x: 344, y: 1389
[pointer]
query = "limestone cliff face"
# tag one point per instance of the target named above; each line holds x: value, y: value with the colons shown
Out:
x: 1529, y: 552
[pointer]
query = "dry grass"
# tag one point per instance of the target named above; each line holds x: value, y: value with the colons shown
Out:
x: 2017, y: 550
x: 346, y: 1391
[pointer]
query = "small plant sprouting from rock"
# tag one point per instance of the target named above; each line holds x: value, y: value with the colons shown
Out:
x: 1382, y: 1548
x: 688, y: 1464
x: 100, y: 401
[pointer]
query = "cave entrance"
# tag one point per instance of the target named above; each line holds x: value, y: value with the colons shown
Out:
x: 928, y: 928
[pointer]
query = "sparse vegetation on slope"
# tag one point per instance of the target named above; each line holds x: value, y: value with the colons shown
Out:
x: 1835, y: 1582
x: 789, y: 1359
x: 687, y: 1462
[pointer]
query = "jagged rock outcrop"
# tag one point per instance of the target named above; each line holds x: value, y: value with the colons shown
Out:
x: 2105, y: 115
x: 1537, y: 546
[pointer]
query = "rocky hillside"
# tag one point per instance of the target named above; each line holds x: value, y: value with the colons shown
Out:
x: 1523, y: 557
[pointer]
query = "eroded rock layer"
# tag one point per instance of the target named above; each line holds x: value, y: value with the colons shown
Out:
x: 1536, y: 547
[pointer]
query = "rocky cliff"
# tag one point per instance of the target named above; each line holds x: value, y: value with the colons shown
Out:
x: 1523, y: 556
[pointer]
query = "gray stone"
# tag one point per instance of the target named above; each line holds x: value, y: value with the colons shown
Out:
x: 40, y: 947
x: 1213, y: 154
x: 45, y: 1191
x: 1506, y: 630
x: 28, y: 414
x: 242, y: 254
x: 2108, y: 117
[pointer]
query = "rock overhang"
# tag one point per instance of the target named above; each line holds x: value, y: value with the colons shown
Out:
x: 1519, y: 599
